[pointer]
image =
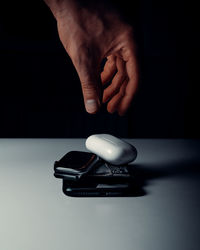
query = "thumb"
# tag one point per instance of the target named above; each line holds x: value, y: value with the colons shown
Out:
x: 91, y: 85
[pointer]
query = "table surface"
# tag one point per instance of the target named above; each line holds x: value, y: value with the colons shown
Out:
x: 35, y: 213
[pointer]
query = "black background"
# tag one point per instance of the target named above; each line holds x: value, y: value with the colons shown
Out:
x: 40, y: 93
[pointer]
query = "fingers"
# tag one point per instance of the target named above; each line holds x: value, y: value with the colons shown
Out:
x: 121, y: 68
x: 132, y: 72
x: 115, y: 101
x: 109, y: 69
x: 88, y: 72
x: 120, y: 92
x: 117, y: 81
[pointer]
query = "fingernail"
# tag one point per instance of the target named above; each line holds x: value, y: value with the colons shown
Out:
x: 92, y: 106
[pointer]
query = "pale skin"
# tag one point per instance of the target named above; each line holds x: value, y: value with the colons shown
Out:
x: 89, y: 34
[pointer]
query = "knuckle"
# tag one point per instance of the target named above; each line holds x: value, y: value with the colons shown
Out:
x: 80, y: 51
x: 88, y: 87
x: 79, y: 59
x: 87, y: 84
x: 111, y: 63
x: 120, y: 75
x: 116, y: 85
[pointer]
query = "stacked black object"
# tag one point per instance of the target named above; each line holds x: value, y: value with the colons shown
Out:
x: 87, y: 175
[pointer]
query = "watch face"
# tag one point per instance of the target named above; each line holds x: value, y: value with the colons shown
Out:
x: 75, y: 162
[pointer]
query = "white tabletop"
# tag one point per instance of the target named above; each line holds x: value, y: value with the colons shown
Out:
x: 35, y: 214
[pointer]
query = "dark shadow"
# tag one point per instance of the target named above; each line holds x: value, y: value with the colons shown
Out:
x: 145, y: 173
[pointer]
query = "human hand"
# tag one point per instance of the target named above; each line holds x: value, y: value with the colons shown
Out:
x: 90, y: 33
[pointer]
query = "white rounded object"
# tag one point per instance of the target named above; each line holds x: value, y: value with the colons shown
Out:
x: 111, y: 149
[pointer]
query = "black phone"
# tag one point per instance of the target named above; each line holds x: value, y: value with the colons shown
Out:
x: 98, y: 190
x: 102, y: 190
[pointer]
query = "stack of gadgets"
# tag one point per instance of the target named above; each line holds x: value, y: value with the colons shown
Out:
x: 104, y: 171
